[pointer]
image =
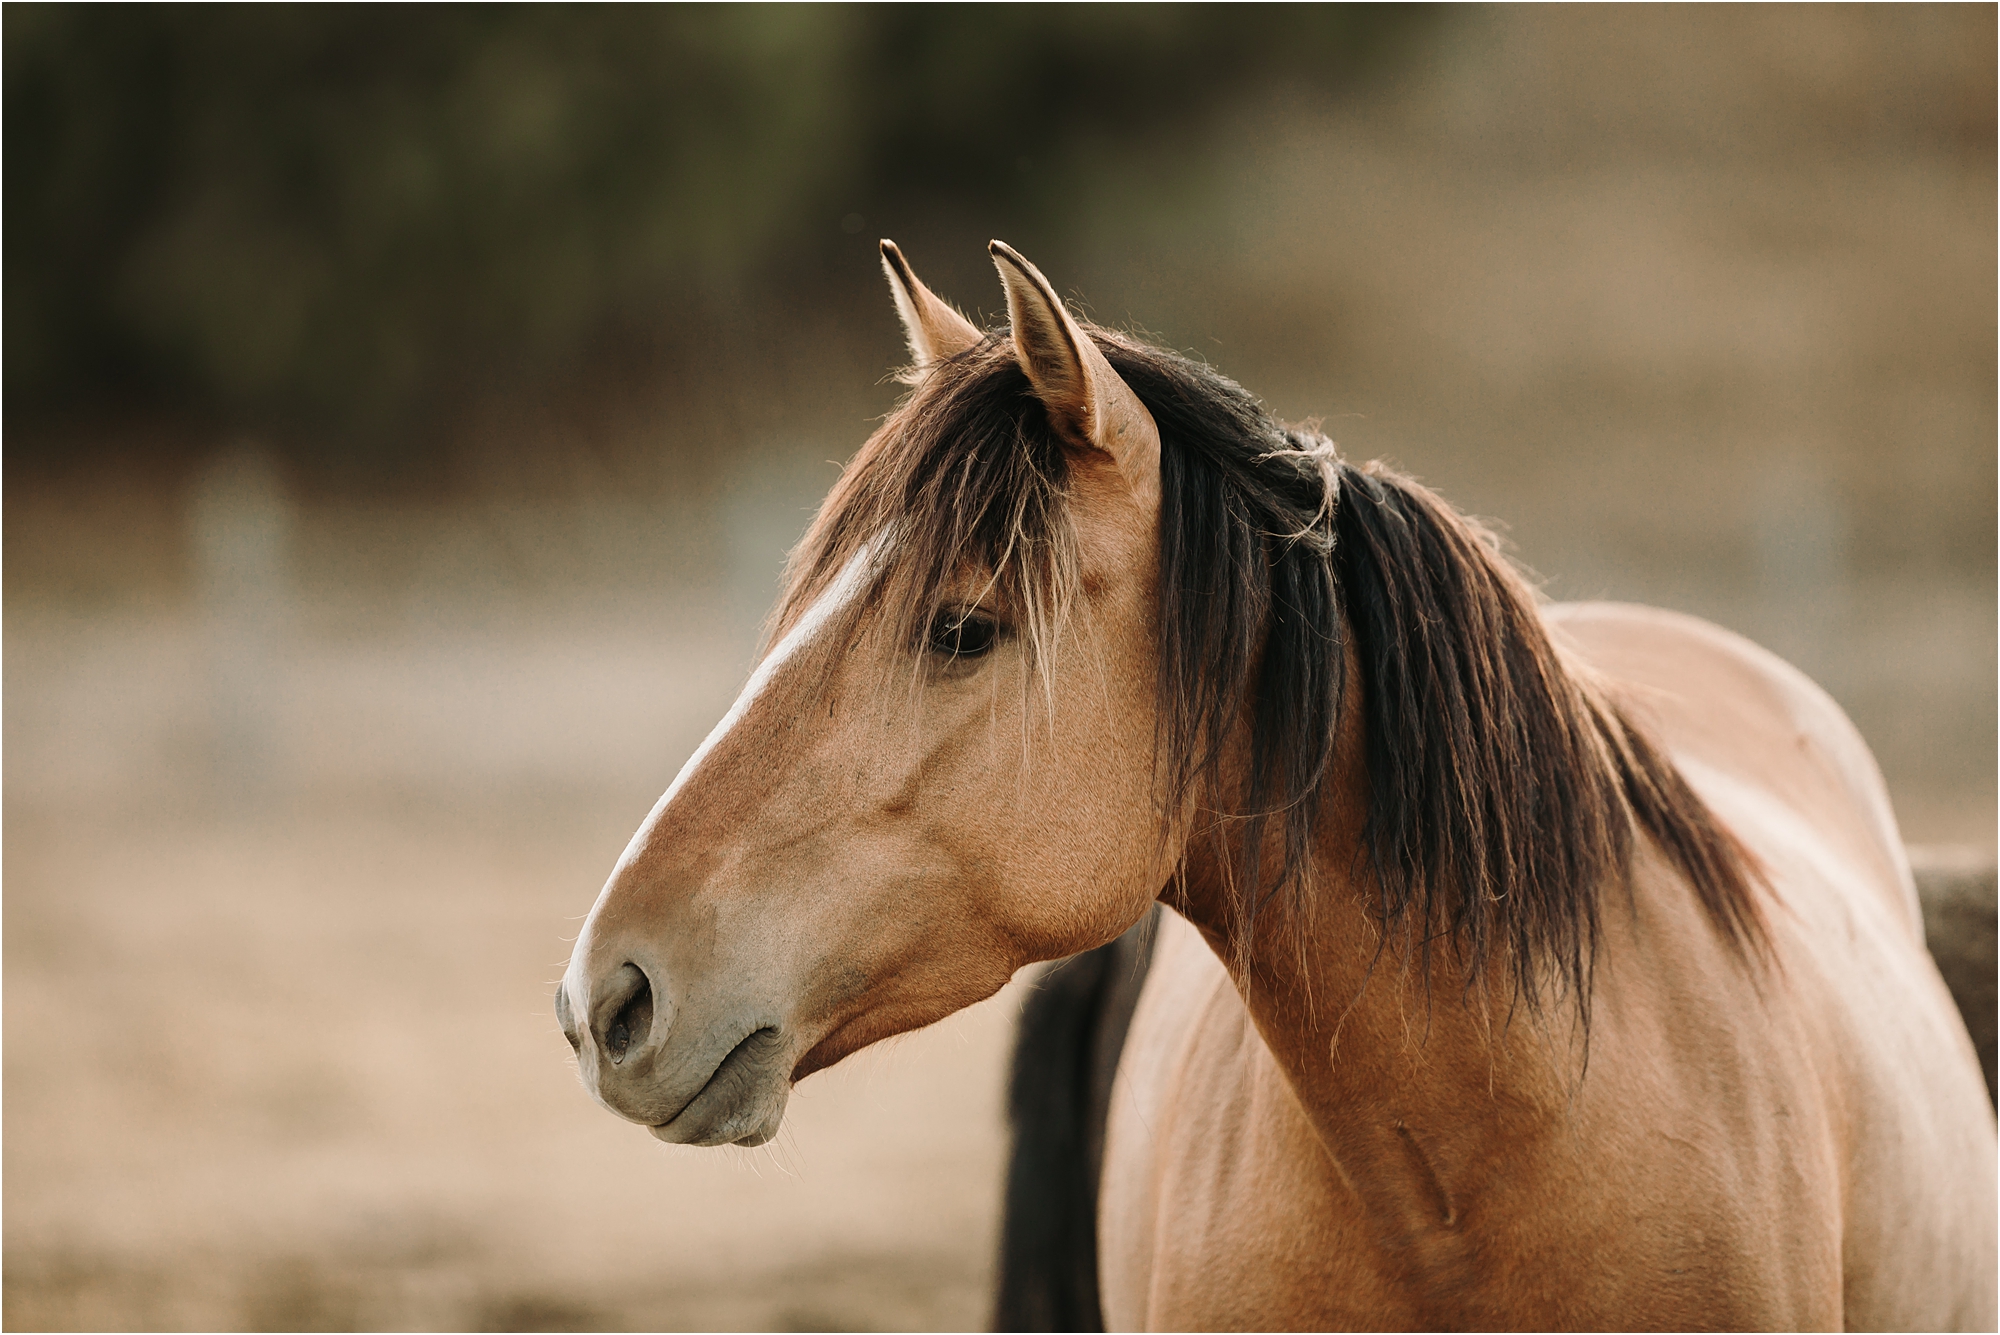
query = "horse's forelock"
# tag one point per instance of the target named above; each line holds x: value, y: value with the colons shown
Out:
x: 969, y: 478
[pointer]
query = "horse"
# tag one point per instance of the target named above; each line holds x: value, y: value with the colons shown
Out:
x: 1504, y: 964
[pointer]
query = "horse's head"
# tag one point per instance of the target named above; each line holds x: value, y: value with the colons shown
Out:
x: 940, y: 772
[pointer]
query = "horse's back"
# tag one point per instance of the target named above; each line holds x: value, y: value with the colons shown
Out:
x: 1783, y: 768
x: 1736, y: 715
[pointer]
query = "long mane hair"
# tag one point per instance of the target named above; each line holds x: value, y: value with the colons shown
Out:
x: 1505, y: 785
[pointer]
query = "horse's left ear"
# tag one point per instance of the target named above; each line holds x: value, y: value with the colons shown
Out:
x: 1087, y: 402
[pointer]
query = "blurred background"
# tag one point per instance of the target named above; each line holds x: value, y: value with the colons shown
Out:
x: 407, y: 412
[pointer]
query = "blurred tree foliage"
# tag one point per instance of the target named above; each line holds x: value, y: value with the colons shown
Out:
x: 329, y: 220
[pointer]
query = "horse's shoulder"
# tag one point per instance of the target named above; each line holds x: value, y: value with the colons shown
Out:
x: 1760, y: 740
x: 1855, y: 996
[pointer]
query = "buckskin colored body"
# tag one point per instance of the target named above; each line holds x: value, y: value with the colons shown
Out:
x: 1743, y: 1151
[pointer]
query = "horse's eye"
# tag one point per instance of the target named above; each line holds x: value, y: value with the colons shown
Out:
x: 959, y: 633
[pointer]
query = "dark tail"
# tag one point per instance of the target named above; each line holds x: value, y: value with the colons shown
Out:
x: 1058, y: 1098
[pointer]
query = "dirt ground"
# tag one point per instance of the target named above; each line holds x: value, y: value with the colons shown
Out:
x: 305, y: 798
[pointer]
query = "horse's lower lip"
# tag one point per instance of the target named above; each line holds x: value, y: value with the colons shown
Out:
x: 739, y: 1060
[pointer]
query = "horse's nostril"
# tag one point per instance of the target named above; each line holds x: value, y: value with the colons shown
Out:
x: 635, y: 1018
x: 630, y: 1003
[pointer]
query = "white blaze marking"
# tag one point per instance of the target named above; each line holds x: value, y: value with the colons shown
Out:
x: 849, y: 584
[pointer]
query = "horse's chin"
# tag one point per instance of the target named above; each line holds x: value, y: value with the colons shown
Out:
x: 744, y: 1124
x: 743, y: 1102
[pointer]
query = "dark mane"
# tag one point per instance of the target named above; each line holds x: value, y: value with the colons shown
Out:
x: 1504, y: 785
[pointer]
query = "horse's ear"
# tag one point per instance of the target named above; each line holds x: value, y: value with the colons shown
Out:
x: 1087, y: 402
x: 936, y: 331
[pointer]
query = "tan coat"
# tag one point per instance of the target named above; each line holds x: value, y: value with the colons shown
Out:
x: 1806, y: 1144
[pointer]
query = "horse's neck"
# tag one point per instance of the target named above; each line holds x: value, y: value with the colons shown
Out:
x: 1411, y: 1080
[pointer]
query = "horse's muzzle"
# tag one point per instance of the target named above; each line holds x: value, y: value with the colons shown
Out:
x: 691, y: 1079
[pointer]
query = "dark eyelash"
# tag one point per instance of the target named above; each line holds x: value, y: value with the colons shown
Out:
x: 960, y: 633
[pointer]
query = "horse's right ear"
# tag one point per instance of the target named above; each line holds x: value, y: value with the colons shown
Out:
x: 936, y: 331
x: 1088, y: 404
